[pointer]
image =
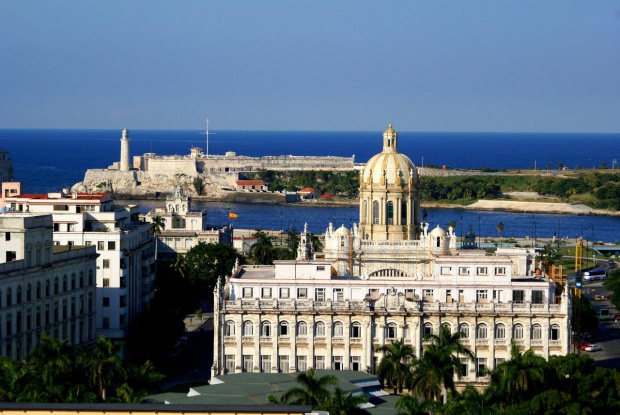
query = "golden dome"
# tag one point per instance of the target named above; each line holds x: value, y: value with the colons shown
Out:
x: 390, y: 130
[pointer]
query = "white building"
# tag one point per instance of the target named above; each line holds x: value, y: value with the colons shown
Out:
x: 125, y: 267
x: 184, y: 226
x: 45, y: 289
x: 386, y: 279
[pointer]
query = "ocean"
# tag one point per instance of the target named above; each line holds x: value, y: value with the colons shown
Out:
x: 46, y: 160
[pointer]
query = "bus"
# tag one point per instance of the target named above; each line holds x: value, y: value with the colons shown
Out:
x: 595, y: 274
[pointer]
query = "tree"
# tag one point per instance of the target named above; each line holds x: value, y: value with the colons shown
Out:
x: 396, y: 364
x: 317, y: 245
x: 262, y: 251
x: 500, y: 229
x: 55, y: 362
x: 157, y: 225
x: 519, y: 378
x: 179, y: 265
x: 106, y: 368
x: 409, y: 404
x: 313, y: 390
x: 207, y: 262
x: 347, y: 403
x: 440, y: 361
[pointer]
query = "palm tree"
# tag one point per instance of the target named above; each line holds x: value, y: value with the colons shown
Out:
x: 347, y: 403
x: 317, y: 245
x: 157, y: 225
x: 440, y: 361
x: 262, y: 250
x: 14, y: 376
x: 409, y: 404
x: 179, y: 265
x: 396, y: 364
x: 313, y: 390
x: 53, y: 360
x: 519, y: 378
x: 500, y: 229
x: 106, y: 368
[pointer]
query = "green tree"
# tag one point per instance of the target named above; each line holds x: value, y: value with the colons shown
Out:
x: 262, y: 251
x: 346, y: 403
x: 179, y: 265
x: 313, y: 390
x: 106, y: 368
x: 500, y: 229
x: 396, y: 364
x: 54, y: 361
x: 409, y: 404
x: 206, y: 263
x: 157, y: 225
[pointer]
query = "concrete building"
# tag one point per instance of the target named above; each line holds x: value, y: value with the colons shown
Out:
x: 389, y: 278
x: 45, y: 289
x: 251, y: 186
x: 185, y: 227
x: 124, y: 163
x: 6, y: 167
x: 125, y: 267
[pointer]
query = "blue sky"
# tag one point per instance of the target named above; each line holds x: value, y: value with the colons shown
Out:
x: 546, y: 66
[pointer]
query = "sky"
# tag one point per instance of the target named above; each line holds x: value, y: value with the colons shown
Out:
x: 476, y: 66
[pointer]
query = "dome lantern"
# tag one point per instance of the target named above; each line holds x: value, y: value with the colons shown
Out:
x: 390, y: 140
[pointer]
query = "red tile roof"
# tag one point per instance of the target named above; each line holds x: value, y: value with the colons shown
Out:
x: 250, y: 183
x: 307, y: 190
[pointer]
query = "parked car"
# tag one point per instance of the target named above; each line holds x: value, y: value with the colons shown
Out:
x: 598, y: 298
x: 583, y: 345
x: 593, y: 348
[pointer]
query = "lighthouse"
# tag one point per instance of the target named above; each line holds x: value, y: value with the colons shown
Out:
x: 124, y: 165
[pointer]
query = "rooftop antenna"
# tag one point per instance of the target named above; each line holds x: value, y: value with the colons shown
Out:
x: 207, y: 133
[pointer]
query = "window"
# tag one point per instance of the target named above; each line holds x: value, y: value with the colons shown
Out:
x: 498, y: 296
x: 229, y: 360
x: 482, y: 271
x: 100, y: 246
x: 338, y: 294
x: 390, y: 213
x: 463, y: 270
x: 319, y: 294
x: 265, y: 329
x: 518, y: 296
x: 338, y: 329
x: 500, y: 270
x: 9, y: 297
x: 464, y: 330
x: 446, y: 270
x: 248, y: 363
x: 265, y: 363
x: 266, y: 292
x: 320, y: 267
x: 106, y: 263
x: 248, y: 328
x: 428, y: 329
x: 481, y: 331
x: 499, y: 361
x: 302, y: 363
x: 302, y: 329
x: 106, y: 282
x: 111, y: 246
x: 283, y: 364
x: 500, y: 331
x: 428, y: 294
x: 319, y: 329
x: 229, y: 329
x: 537, y: 297
x: 464, y: 372
x: 7, y: 236
x: 19, y: 295
x: 338, y: 363
x: 481, y: 366
x: 283, y: 329
x: 375, y: 212
x: 356, y: 330
x: 319, y: 362
x: 536, y: 332
x: 482, y: 296
x: 391, y: 331
x: 106, y: 323
x: 554, y: 332
x: 247, y: 292
x: 285, y: 292
x: 106, y: 301
x: 517, y: 332
x: 409, y: 294
x: 302, y: 293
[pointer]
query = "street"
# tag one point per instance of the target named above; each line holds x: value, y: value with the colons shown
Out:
x: 608, y: 334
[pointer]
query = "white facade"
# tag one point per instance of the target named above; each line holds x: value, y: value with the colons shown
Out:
x: 124, y: 163
x: 390, y: 278
x: 45, y: 289
x: 125, y: 267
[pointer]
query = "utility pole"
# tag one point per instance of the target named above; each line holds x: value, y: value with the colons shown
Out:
x: 207, y: 133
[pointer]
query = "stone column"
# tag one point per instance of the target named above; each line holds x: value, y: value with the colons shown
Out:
x: 293, y: 345
x: 256, y: 335
x: 328, y: 343
x: 274, y: 345
x: 124, y: 162
x: 347, y: 344
x: 238, y: 328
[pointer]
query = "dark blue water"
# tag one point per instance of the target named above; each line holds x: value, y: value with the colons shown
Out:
x: 46, y: 160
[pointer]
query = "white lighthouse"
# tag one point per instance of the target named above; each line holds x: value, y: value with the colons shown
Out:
x: 124, y: 165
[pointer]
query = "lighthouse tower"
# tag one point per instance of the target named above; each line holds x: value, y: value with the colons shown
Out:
x: 124, y: 165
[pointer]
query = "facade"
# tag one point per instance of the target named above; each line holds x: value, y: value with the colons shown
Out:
x: 6, y: 167
x: 45, y: 289
x: 185, y: 227
x: 389, y: 278
x: 125, y: 266
x: 251, y: 186
x: 9, y: 189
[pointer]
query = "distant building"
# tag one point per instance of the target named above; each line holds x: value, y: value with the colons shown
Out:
x: 125, y: 267
x: 307, y: 193
x: 9, y: 189
x: 6, y: 167
x: 251, y: 186
x: 184, y: 227
x: 45, y: 289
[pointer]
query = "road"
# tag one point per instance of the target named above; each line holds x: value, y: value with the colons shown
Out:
x: 608, y: 333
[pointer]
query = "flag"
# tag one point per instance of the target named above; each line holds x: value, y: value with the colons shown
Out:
x: 232, y: 215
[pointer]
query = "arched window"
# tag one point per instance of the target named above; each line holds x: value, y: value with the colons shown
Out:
x: 375, y: 212
x: 283, y: 329
x: 438, y: 242
x: 319, y: 329
x: 64, y: 284
x: 518, y: 332
x: 248, y: 328
x: 403, y: 213
x: 356, y: 330
x: 37, y: 253
x: 230, y: 328
x: 536, y: 332
x: 390, y: 213
x: 38, y: 292
x: 338, y: 329
x: 73, y: 281
x: 81, y: 279
x: 48, y: 250
x: 265, y: 329
x: 302, y: 329
x: 500, y: 331
x: 464, y: 330
x: 19, y: 295
x: 9, y: 297
x: 90, y: 277
x: 29, y: 292
x: 391, y: 331
x: 428, y: 329
x: 481, y: 331
x: 554, y: 332
x: 29, y: 255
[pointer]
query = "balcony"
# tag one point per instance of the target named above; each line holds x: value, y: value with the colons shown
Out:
x: 229, y: 339
x: 266, y: 339
x: 555, y: 343
x: 247, y: 339
x: 536, y: 343
x: 284, y: 339
x: 482, y: 342
x: 338, y: 340
x: 357, y: 340
x: 500, y: 342
x: 320, y: 340
x: 292, y: 305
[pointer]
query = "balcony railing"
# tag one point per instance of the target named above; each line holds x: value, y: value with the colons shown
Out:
x: 292, y: 305
x: 247, y: 339
x: 492, y: 307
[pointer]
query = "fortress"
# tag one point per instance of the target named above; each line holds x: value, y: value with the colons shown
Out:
x: 150, y: 174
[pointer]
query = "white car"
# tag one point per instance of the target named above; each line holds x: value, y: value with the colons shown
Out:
x: 593, y: 348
